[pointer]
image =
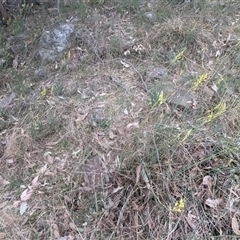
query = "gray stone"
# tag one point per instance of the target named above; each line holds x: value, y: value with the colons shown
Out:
x: 18, y: 43
x: 53, y: 43
x: 2, y: 62
x: 157, y: 73
x: 41, y: 72
x: 150, y: 16
x: 183, y: 99
x: 5, y: 102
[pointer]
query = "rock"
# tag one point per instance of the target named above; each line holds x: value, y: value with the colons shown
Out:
x: 2, y: 62
x: 41, y: 72
x: 208, y: 93
x: 53, y: 43
x: 182, y: 98
x: 150, y: 16
x: 157, y: 73
x: 18, y: 43
x: 97, y: 119
x: 5, y: 102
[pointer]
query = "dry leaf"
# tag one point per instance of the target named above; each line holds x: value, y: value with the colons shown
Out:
x: 235, y: 224
x: 133, y: 125
x: 3, y: 236
x: 55, y: 230
x: 214, y: 87
x: 72, y: 226
x: 126, y: 65
x: 207, y: 181
x: 81, y: 117
x: 70, y: 237
x: 23, y: 208
x: 145, y: 178
x: 117, y: 189
x: 43, y: 169
x: 16, y: 203
x: 15, y: 63
x: 138, y: 171
x: 35, y: 182
x: 213, y: 203
x: 26, y: 194
x: 111, y: 135
x: 218, y: 53
x: 63, y: 238
x: 190, y: 220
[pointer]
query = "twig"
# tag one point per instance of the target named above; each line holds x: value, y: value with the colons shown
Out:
x: 139, y: 74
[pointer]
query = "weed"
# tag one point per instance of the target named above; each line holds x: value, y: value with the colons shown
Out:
x: 18, y: 24
x: 58, y: 89
x: 21, y: 86
x: 41, y: 128
x: 81, y: 9
x: 131, y: 6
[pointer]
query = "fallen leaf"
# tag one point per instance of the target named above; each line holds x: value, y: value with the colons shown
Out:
x: 207, y: 181
x: 81, y: 117
x: 214, y: 87
x: 23, y: 208
x: 133, y: 125
x: 213, y: 203
x: 218, y: 53
x: 70, y: 237
x: 111, y: 135
x: 35, y: 182
x: 55, y: 230
x: 145, y: 178
x: 117, y: 189
x: 235, y: 224
x: 26, y: 194
x: 81, y: 230
x: 16, y: 203
x: 43, y: 169
x: 125, y: 111
x: 190, y: 220
x: 62, y: 238
x: 72, y: 226
x: 138, y: 171
x: 15, y: 62
x: 126, y: 65
x: 3, y: 236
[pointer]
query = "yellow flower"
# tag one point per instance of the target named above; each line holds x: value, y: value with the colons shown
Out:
x: 228, y: 164
x: 36, y: 117
x: 178, y: 206
x: 52, y: 90
x: 219, y: 80
x: 201, y: 79
x: 43, y: 92
x: 160, y: 98
x: 69, y: 55
x: 215, y: 112
x: 179, y: 56
x: 186, y: 135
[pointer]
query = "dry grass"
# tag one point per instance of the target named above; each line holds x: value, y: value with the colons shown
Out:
x: 110, y: 165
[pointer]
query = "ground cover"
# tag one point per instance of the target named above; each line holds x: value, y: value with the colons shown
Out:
x: 133, y: 133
